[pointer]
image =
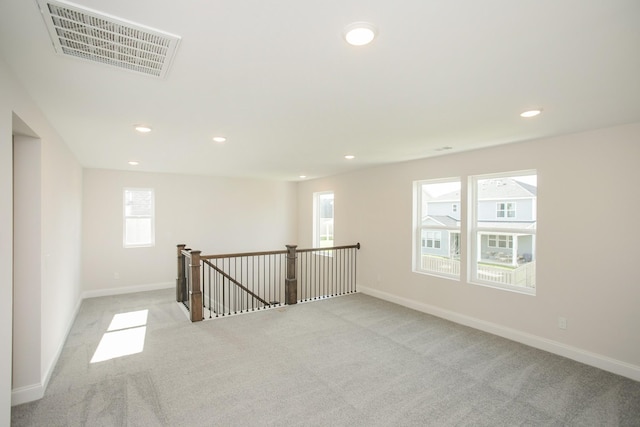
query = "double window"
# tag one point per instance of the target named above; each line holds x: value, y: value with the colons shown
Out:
x: 501, y: 248
x: 506, y: 210
x: 139, y: 212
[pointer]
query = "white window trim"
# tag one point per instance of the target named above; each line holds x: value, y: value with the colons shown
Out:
x: 316, y: 220
x: 152, y: 216
x: 473, y: 231
x: 418, y: 227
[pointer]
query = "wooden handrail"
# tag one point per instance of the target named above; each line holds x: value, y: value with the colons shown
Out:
x: 332, y: 248
x: 243, y: 254
x: 327, y: 282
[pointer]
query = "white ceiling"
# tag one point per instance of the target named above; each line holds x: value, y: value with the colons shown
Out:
x: 277, y: 79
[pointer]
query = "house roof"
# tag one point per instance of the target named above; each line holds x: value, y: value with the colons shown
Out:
x: 292, y: 97
x: 441, y: 220
x: 504, y: 188
x: 533, y: 190
x: 497, y: 188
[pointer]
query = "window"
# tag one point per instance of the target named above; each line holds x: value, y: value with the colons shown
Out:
x: 437, y: 227
x: 500, y: 241
x: 502, y: 246
x: 506, y: 210
x: 432, y: 240
x: 323, y: 220
x: 138, y: 217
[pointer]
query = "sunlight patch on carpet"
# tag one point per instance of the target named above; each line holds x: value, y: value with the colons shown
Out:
x: 125, y: 336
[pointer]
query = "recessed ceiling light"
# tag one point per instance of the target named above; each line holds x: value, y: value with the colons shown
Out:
x: 219, y: 138
x: 142, y: 128
x: 349, y: 157
x: 303, y: 176
x: 359, y: 33
x: 530, y: 113
x: 134, y: 163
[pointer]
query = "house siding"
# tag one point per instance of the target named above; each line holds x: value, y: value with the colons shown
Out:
x: 488, y: 210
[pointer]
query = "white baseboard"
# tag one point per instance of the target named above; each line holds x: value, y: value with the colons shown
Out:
x: 597, y: 360
x: 33, y: 392
x: 27, y: 394
x: 127, y: 290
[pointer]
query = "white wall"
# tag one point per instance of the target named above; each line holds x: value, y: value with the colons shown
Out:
x: 587, y: 182
x: 61, y: 246
x: 27, y: 271
x: 214, y: 215
x: 60, y: 243
x: 6, y: 245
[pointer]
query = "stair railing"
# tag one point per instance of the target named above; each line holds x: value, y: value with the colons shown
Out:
x: 227, y: 284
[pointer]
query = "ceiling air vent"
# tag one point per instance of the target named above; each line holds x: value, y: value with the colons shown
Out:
x: 86, y: 34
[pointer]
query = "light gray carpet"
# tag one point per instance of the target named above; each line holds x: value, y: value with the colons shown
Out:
x: 352, y: 360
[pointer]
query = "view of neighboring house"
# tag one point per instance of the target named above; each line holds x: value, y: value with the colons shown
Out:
x: 443, y: 211
x: 506, y: 204
x: 503, y: 213
x: 502, y: 204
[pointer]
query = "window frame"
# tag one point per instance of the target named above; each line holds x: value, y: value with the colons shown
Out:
x: 152, y: 240
x: 317, y: 219
x: 475, y: 231
x: 419, y: 228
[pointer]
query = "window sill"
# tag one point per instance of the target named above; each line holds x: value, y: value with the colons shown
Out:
x: 439, y: 275
x: 516, y: 289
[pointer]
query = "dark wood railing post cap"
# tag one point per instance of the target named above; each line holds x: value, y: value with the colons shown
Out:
x: 195, y: 260
x: 291, y: 250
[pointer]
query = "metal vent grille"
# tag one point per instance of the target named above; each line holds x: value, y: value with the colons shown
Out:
x: 90, y: 35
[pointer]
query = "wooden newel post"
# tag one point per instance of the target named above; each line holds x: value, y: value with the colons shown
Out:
x: 291, y: 282
x: 195, y: 293
x: 181, y: 280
